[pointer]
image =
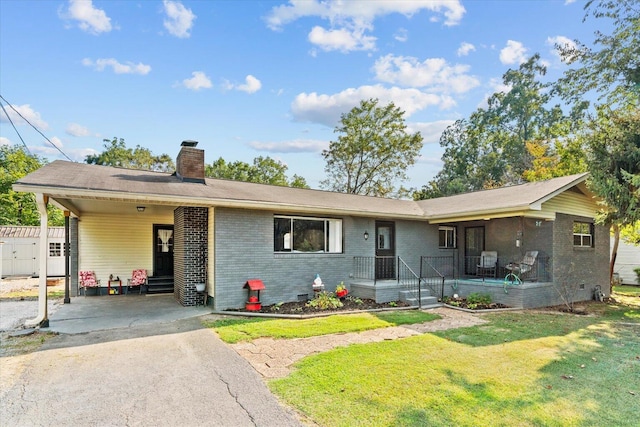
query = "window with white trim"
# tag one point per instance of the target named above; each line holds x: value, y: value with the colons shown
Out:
x: 446, y: 237
x: 307, y: 235
x: 55, y: 249
x: 583, y: 234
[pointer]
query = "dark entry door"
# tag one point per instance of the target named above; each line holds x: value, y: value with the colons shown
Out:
x: 473, y: 247
x: 385, y: 250
x: 163, y: 250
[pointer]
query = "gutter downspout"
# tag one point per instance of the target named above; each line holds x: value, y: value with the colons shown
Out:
x: 42, y: 320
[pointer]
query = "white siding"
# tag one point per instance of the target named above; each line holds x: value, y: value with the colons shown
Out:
x: 571, y: 203
x: 117, y: 244
x: 627, y: 259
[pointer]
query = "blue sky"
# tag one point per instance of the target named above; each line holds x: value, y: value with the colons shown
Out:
x: 261, y: 78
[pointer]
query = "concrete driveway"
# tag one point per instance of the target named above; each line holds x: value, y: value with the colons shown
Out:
x: 128, y: 372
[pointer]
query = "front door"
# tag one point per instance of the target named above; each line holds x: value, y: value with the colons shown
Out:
x: 385, y: 250
x: 163, y: 250
x: 473, y: 247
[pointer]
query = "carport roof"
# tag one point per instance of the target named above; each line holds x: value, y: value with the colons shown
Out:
x: 68, y: 181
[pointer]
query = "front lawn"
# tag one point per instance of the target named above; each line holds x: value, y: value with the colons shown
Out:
x: 521, y: 368
x: 233, y: 330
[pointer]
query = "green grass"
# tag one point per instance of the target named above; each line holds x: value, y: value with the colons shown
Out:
x: 630, y: 291
x: 233, y: 330
x: 31, y: 294
x: 521, y: 368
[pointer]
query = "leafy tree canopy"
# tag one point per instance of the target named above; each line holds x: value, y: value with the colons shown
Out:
x: 264, y: 170
x: 20, y: 208
x: 373, y: 151
x: 116, y: 153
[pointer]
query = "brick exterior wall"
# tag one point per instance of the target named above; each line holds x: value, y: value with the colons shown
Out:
x: 190, y: 164
x: 190, y: 252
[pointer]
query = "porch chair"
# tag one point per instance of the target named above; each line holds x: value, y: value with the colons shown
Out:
x: 88, y: 280
x: 488, y: 262
x: 520, y: 268
x: 138, y: 278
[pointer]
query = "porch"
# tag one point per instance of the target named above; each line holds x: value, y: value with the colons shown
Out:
x: 440, y: 276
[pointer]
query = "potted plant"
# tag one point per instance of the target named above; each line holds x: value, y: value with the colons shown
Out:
x: 341, y: 290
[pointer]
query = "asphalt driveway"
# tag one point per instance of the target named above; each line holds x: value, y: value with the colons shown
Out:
x: 162, y: 374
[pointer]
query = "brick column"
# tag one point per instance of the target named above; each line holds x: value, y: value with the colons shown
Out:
x: 190, y: 252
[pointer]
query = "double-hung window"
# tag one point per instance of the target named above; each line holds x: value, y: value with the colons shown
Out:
x: 304, y: 234
x: 55, y: 249
x: 447, y: 237
x: 583, y: 234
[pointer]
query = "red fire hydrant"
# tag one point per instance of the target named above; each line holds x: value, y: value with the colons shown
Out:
x: 253, y: 301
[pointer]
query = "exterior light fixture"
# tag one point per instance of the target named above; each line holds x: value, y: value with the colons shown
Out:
x: 366, y: 235
x: 140, y: 208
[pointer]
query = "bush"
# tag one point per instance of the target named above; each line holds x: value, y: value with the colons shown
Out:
x: 325, y: 301
x: 637, y: 270
x: 479, y: 299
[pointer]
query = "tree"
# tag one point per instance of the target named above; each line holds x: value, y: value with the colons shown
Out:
x: 612, y: 67
x: 373, y: 152
x: 264, y: 170
x: 21, y: 208
x: 518, y: 137
x: 614, y: 162
x: 116, y: 153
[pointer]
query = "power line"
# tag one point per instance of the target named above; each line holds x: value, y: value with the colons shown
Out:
x: 36, y: 129
x: 15, y: 128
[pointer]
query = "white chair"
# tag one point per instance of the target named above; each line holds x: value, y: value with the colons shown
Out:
x: 518, y: 269
x: 488, y: 262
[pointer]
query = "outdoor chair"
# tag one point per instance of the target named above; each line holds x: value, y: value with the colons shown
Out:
x: 518, y: 269
x: 88, y: 280
x: 488, y: 262
x: 138, y: 278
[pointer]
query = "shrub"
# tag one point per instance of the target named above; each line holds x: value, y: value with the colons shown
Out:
x: 325, y: 301
x: 637, y: 270
x: 479, y: 299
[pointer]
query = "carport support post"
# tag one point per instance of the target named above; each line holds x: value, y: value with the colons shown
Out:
x: 42, y: 319
x: 67, y: 300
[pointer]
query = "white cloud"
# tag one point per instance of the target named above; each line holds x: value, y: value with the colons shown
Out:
x: 118, y: 68
x: 293, y: 146
x: 4, y: 141
x: 349, y: 20
x: 433, y: 73
x: 74, y: 129
x: 342, y: 39
x: 198, y: 81
x: 251, y: 85
x: 465, y: 48
x: 179, y: 19
x: 430, y: 131
x: 562, y: 42
x: 326, y: 109
x: 25, y: 111
x: 402, y: 35
x: 513, y: 53
x: 90, y: 19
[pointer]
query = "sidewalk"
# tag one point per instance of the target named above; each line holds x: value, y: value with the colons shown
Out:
x: 273, y: 358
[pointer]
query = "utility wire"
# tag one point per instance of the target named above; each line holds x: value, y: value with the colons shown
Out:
x: 36, y: 129
x: 14, y: 128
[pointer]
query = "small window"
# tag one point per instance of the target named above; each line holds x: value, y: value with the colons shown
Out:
x: 583, y: 234
x: 55, y: 249
x: 311, y: 235
x: 447, y: 237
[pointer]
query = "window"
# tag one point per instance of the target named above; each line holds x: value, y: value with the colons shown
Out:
x: 583, y: 234
x: 300, y: 234
x: 447, y: 237
x: 55, y: 249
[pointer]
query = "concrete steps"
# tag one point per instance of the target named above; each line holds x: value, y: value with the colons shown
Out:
x: 427, y: 300
x: 160, y: 285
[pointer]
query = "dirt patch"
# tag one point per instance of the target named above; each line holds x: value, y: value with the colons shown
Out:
x: 302, y: 307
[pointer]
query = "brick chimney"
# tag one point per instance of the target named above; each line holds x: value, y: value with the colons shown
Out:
x: 190, y: 163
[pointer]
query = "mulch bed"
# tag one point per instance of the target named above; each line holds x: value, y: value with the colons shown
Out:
x: 300, y: 307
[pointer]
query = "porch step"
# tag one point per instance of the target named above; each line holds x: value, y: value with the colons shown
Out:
x: 427, y: 300
x: 160, y: 285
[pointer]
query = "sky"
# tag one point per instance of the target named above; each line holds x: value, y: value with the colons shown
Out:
x: 251, y: 78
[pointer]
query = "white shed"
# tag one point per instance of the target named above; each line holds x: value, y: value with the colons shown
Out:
x: 20, y: 251
x: 627, y: 259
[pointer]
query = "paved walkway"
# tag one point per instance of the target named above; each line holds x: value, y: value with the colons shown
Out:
x: 272, y: 358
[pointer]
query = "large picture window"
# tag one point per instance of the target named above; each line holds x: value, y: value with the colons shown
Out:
x: 311, y: 235
x: 583, y: 234
x: 447, y: 237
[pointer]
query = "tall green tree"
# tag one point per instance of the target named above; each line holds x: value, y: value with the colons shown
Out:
x: 519, y: 136
x: 18, y: 208
x: 264, y: 170
x: 373, y: 151
x: 614, y: 162
x: 116, y: 153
